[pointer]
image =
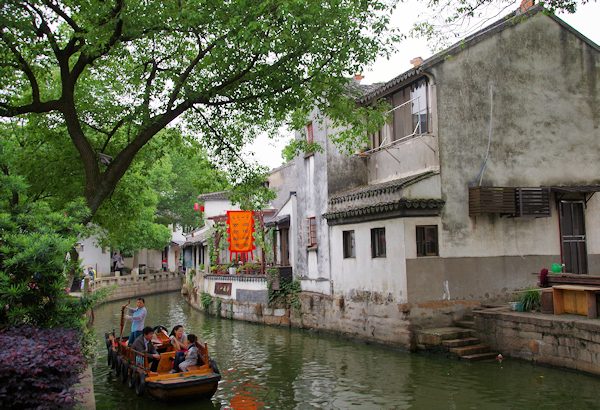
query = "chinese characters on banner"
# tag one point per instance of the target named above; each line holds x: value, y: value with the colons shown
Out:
x: 240, y: 226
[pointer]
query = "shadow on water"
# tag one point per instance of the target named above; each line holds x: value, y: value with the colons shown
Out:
x: 280, y: 368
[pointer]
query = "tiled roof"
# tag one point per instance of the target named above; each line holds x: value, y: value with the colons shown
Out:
x: 381, y: 208
x: 199, y: 237
x: 374, y: 190
x: 214, y: 196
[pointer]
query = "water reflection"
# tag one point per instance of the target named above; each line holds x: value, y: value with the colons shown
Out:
x: 266, y: 367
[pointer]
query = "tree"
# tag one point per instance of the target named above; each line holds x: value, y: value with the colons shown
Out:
x: 184, y: 173
x: 448, y: 20
x: 118, y: 72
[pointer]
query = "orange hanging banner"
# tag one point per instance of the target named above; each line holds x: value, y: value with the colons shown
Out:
x: 240, y: 227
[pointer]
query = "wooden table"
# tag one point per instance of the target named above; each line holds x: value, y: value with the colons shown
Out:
x: 575, y: 299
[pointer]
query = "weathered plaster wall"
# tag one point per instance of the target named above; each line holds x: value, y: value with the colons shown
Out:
x: 283, y: 181
x: 311, y: 173
x: 548, y: 339
x: 344, y: 171
x: 490, y: 278
x: 364, y: 273
x: 545, y: 130
x: 404, y: 158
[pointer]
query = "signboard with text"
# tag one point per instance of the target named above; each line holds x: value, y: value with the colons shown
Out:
x: 223, y: 288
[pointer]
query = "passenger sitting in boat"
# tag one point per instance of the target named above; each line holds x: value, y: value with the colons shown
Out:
x: 180, y: 343
x: 178, y: 338
x: 143, y: 344
x: 192, y: 355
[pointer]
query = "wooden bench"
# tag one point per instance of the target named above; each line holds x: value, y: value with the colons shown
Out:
x: 575, y: 299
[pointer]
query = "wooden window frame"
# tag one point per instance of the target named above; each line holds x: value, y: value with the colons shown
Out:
x: 348, y: 244
x: 378, y: 243
x: 312, y: 232
x: 427, y: 247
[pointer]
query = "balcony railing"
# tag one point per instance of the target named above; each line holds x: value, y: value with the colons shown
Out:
x: 409, y: 119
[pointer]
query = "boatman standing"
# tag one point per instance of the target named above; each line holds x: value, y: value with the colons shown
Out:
x: 137, y: 319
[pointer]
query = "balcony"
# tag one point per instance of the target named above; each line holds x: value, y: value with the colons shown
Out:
x: 405, y: 145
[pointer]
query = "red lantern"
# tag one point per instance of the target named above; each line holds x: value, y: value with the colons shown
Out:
x: 196, y: 206
x: 201, y: 208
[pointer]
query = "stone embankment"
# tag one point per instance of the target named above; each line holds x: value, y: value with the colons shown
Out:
x: 568, y: 341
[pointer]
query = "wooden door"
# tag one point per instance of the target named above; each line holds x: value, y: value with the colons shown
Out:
x: 573, y: 238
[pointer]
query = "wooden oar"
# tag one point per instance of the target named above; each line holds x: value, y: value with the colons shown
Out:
x: 123, y: 319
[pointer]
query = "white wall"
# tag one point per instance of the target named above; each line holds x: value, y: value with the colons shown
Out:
x: 386, y: 275
x: 173, y: 258
x: 92, y: 255
x: 209, y: 285
x: 214, y: 208
x: 152, y: 258
x: 289, y: 208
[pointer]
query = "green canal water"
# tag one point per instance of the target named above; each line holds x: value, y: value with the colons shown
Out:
x: 280, y: 368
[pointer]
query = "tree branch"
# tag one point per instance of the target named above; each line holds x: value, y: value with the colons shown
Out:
x: 221, y: 140
x: 85, y: 59
x: 36, y: 107
x: 45, y: 28
x: 35, y: 89
x: 54, y: 7
x: 186, y: 73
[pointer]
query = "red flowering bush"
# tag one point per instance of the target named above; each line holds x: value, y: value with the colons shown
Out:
x: 38, y: 368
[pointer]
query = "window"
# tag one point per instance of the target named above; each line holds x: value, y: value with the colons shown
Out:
x: 418, y: 96
x: 312, y: 232
x: 378, y: 243
x: 348, y: 241
x: 309, y: 133
x: 427, y: 240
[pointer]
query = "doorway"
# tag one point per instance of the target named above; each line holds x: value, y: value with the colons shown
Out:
x: 573, y: 238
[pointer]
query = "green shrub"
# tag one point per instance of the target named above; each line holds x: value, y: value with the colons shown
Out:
x: 34, y: 240
x: 205, y: 301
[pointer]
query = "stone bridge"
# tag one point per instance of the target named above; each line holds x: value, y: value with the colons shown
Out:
x: 135, y: 285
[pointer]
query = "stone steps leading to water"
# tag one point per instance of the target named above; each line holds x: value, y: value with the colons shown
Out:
x: 470, y: 350
x: 459, y: 341
x: 479, y: 356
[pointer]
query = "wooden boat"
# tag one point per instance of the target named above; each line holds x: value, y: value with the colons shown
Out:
x: 133, y: 368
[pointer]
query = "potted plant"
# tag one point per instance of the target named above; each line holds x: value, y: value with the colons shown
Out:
x: 530, y: 300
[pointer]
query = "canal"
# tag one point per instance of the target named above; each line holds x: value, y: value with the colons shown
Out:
x: 280, y: 368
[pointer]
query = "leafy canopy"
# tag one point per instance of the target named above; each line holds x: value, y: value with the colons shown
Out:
x: 116, y: 73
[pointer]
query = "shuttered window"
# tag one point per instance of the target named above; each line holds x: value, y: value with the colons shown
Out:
x: 427, y: 240
x: 348, y: 242
x: 312, y: 232
x: 378, y: 243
